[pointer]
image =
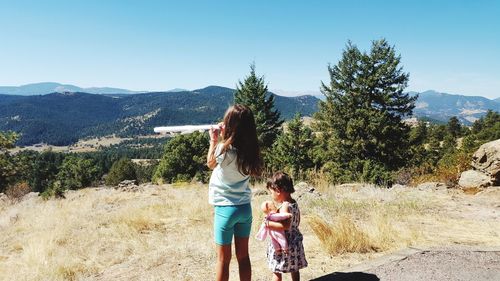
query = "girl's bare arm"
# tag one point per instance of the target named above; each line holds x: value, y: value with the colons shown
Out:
x: 211, y: 162
x: 281, y: 225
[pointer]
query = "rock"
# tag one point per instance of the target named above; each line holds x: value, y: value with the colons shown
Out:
x: 4, y: 199
x: 399, y: 186
x: 303, y: 189
x: 472, y: 178
x: 431, y: 185
x: 487, y: 160
x: 128, y: 185
x: 30, y: 195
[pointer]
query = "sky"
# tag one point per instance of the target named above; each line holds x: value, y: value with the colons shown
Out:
x: 447, y: 46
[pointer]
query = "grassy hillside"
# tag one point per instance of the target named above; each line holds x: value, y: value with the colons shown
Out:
x: 165, y: 232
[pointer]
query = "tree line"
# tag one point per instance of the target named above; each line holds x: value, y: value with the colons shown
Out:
x: 358, y: 134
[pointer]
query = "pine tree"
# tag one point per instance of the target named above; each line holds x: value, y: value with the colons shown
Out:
x: 184, y: 159
x: 454, y: 127
x: 253, y: 93
x: 361, y: 117
x: 7, y: 165
x: 292, y: 150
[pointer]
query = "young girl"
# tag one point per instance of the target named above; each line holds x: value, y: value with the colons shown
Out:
x: 233, y: 160
x: 294, y: 259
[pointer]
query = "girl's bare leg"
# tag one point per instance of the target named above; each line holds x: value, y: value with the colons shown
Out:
x: 296, y: 276
x: 223, y: 260
x: 245, y: 268
x: 276, y: 276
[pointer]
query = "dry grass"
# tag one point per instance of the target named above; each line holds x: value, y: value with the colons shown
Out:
x: 472, y: 190
x: 343, y: 237
x: 165, y: 232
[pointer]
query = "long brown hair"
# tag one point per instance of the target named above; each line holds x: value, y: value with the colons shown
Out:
x: 240, y: 133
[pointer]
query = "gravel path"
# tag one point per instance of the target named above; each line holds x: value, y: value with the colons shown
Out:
x: 454, y: 265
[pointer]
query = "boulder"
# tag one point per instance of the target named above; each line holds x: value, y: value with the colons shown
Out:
x: 3, y: 197
x: 473, y: 178
x: 487, y: 160
x: 129, y: 185
x: 302, y: 189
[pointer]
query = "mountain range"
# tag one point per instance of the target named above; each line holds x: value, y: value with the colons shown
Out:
x: 442, y: 106
x: 63, y: 117
x: 44, y: 88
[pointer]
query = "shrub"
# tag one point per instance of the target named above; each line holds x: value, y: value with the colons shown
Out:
x: 76, y: 173
x: 121, y: 170
x: 183, y: 159
x: 17, y: 191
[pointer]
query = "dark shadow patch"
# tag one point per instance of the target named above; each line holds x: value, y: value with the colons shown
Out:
x: 348, y: 276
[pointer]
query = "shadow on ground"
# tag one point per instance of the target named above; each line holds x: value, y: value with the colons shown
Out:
x: 347, y: 276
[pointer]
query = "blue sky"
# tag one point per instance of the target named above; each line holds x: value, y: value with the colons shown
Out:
x: 448, y: 46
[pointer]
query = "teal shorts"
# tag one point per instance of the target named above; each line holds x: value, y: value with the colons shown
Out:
x: 232, y: 220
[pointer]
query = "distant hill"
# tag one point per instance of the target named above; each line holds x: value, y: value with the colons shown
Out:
x: 497, y: 99
x: 442, y: 106
x: 51, y: 87
x: 63, y: 118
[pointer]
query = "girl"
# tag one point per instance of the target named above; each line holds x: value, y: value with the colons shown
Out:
x: 294, y: 259
x: 233, y: 160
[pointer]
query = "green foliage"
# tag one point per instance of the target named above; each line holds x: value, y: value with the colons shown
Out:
x: 183, y: 159
x: 361, y: 116
x: 253, y: 93
x: 7, y: 140
x: 293, y: 149
x: 145, y: 172
x: 56, y: 190
x: 488, y: 127
x: 454, y: 127
x: 8, y: 169
x: 76, y: 172
x: 439, y: 157
x: 45, y: 169
x: 121, y: 170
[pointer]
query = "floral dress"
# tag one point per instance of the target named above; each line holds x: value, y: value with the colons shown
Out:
x: 295, y: 258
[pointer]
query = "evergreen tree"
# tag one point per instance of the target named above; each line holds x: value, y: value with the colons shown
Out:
x: 454, y: 127
x: 7, y: 165
x: 184, y: 159
x: 293, y: 148
x: 123, y: 169
x: 361, y: 116
x: 76, y: 172
x: 45, y: 169
x: 253, y: 93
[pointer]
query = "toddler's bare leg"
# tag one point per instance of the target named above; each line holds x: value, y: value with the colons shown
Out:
x: 296, y: 276
x: 276, y: 276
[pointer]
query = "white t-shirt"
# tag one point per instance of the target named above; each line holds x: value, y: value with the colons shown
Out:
x: 227, y: 185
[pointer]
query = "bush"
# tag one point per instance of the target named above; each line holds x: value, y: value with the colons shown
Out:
x: 76, y: 173
x: 56, y: 190
x: 17, y: 191
x: 183, y: 159
x: 121, y: 170
x: 145, y: 172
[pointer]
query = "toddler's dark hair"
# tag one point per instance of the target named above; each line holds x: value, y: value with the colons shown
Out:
x: 281, y: 181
